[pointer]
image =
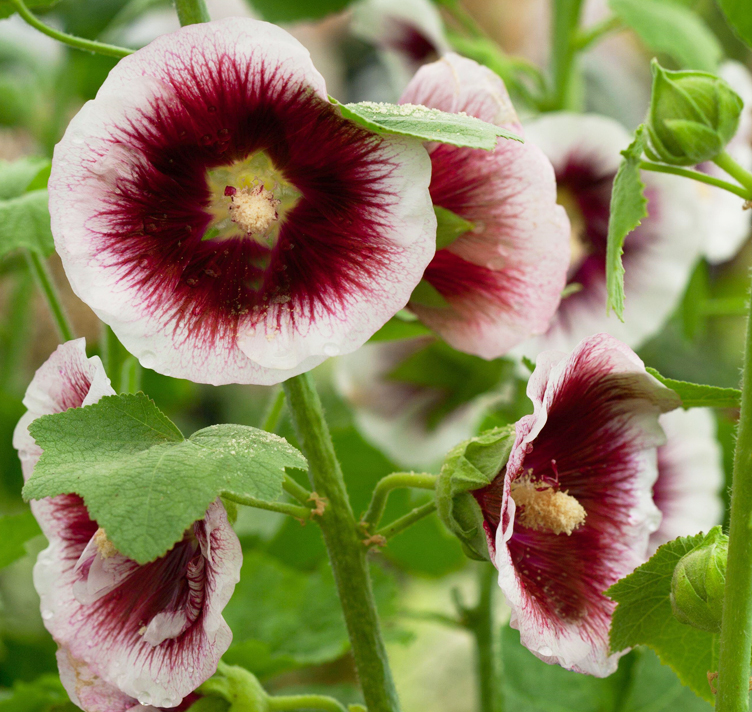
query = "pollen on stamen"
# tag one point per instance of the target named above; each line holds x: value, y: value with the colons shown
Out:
x: 105, y: 547
x: 253, y: 209
x: 543, y: 508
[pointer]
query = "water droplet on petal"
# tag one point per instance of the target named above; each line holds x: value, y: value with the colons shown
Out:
x: 546, y: 651
x: 147, y: 359
x: 46, y: 615
x: 331, y: 349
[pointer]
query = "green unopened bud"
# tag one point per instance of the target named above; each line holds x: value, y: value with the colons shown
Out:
x: 693, y: 115
x: 232, y: 689
x: 698, y: 582
x: 469, y: 466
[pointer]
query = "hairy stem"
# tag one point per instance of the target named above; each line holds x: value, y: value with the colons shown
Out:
x: 695, y: 175
x: 587, y: 37
x: 293, y: 510
x: 47, y: 286
x: 564, y: 51
x: 397, y: 480
x: 191, y: 12
x: 736, y: 626
x: 399, y: 525
x: 346, y: 553
x: 274, y: 412
x: 728, y: 164
x: 295, y: 490
x: 70, y: 40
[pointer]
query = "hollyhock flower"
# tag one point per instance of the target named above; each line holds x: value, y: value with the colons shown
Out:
x: 409, y: 33
x: 501, y: 281
x: 394, y: 415
x: 221, y: 216
x: 690, y: 476
x: 658, y: 256
x: 153, y: 632
x: 572, y: 511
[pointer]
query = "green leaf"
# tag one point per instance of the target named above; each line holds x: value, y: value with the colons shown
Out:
x: 695, y: 395
x: 641, y: 684
x: 672, y: 29
x: 45, y: 694
x: 25, y: 222
x: 17, y: 177
x: 296, y: 10
x: 426, y: 124
x: 628, y: 208
x: 15, y: 531
x: 449, y: 226
x: 397, y: 328
x: 644, y: 616
x: 141, y: 480
x: 427, y: 295
x: 738, y: 14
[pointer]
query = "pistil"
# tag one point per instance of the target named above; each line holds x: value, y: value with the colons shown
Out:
x: 254, y: 209
x: 544, y: 508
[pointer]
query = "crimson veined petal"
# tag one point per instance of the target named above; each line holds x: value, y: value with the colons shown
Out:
x: 658, y: 256
x: 503, y: 279
x: 217, y: 211
x: 572, y: 511
x: 153, y: 632
x: 690, y: 476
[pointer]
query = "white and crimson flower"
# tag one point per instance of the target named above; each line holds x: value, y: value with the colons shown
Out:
x: 147, y: 633
x: 658, y: 256
x: 502, y: 281
x: 690, y: 476
x: 215, y: 209
x: 572, y: 511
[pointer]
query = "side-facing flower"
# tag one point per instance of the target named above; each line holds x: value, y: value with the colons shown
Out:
x: 501, y: 281
x: 658, y: 255
x: 216, y: 210
x: 395, y: 415
x: 690, y: 476
x: 571, y: 512
x: 152, y: 632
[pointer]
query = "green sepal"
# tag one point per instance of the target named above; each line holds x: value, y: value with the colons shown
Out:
x: 235, y: 686
x: 428, y: 296
x: 449, y: 226
x: 470, y: 466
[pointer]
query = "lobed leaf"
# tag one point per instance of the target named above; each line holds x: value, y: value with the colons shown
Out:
x: 644, y: 616
x: 628, y: 208
x: 426, y: 124
x: 695, y: 395
x: 673, y: 29
x: 141, y: 480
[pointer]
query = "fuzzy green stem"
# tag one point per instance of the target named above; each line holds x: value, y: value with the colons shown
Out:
x: 585, y: 38
x: 480, y: 621
x: 695, y: 175
x: 130, y: 375
x: 295, y: 490
x: 191, y: 12
x: 397, y: 480
x: 564, y: 51
x: 70, y: 40
x: 728, y: 164
x: 305, y: 702
x: 463, y: 18
x: 274, y: 412
x: 292, y: 510
x: 346, y: 552
x: 736, y: 626
x: 399, y: 525
x: 47, y: 286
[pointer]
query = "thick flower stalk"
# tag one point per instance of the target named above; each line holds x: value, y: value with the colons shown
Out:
x: 500, y: 282
x: 148, y: 634
x: 571, y: 512
x: 690, y: 476
x: 214, y: 208
x: 658, y: 256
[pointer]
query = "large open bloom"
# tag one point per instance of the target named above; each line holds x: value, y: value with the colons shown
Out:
x: 690, y: 476
x: 658, y: 256
x: 216, y: 210
x: 572, y: 511
x: 152, y: 632
x: 501, y: 281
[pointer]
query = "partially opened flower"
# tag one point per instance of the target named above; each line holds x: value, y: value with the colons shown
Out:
x: 153, y: 632
x: 690, y: 476
x: 214, y: 208
x: 658, y: 256
x: 406, y: 420
x: 502, y: 280
x: 571, y: 512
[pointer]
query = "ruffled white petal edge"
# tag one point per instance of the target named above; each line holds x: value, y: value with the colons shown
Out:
x: 80, y: 179
x: 692, y: 495
x: 672, y: 237
x: 573, y: 648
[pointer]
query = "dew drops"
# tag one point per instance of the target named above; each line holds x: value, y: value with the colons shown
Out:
x: 211, y: 109
x: 148, y: 359
x: 46, y: 615
x: 546, y: 651
x: 331, y: 349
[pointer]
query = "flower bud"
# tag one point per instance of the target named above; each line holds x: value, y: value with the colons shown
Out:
x: 469, y: 466
x: 693, y: 115
x: 698, y: 582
